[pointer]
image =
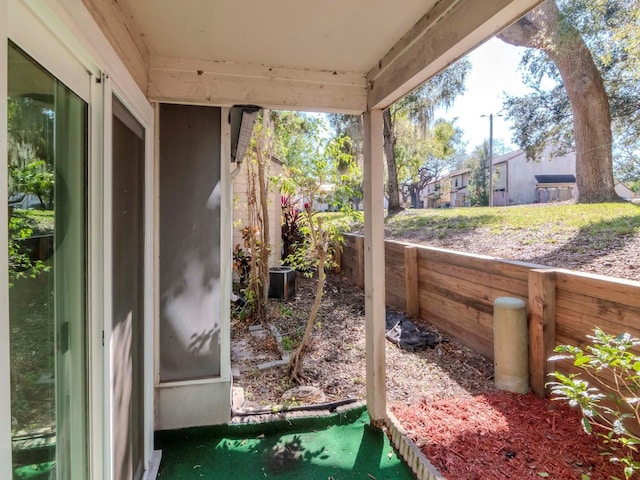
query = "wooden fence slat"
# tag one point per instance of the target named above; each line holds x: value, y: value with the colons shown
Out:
x: 411, y: 296
x: 611, y: 317
x: 435, y: 303
x: 360, y: 263
x: 508, y: 284
x: 542, y: 327
x: 455, y: 291
x: 507, y: 268
x: 617, y: 290
x: 468, y: 289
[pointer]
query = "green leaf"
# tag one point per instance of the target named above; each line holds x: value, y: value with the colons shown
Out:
x: 586, y: 425
x: 582, y: 360
x: 543, y: 474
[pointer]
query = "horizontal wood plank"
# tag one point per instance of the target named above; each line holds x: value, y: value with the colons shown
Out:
x: 617, y: 290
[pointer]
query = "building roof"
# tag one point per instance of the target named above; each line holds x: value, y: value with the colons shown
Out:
x: 507, y: 156
x: 460, y: 171
x: 546, y: 179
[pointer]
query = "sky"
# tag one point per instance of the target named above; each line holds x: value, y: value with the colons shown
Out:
x: 494, y: 72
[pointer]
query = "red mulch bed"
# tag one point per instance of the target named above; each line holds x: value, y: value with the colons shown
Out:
x: 505, y: 435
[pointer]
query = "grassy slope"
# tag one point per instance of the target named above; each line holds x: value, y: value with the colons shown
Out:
x: 612, y: 218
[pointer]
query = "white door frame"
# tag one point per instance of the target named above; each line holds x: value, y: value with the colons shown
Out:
x: 64, y: 38
x: 5, y: 381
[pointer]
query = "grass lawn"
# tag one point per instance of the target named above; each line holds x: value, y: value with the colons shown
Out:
x: 617, y: 218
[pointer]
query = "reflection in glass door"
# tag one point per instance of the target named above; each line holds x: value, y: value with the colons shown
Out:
x: 47, y: 156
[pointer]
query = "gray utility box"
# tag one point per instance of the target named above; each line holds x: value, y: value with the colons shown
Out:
x: 282, y: 282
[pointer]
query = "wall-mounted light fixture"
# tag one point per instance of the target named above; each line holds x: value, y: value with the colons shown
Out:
x: 241, y: 118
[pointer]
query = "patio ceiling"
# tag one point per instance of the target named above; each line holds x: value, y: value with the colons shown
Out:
x: 325, y: 55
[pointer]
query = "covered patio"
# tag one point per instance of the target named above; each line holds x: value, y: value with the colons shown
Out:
x: 174, y: 74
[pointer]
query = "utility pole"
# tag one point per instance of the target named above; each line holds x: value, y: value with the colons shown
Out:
x: 491, y: 159
x: 491, y: 156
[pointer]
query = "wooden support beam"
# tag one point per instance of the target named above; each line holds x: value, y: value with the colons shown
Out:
x: 447, y: 32
x: 542, y: 327
x: 360, y: 262
x: 411, y: 293
x: 374, y: 266
x: 185, y: 80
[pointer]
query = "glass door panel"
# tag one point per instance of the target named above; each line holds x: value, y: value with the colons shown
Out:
x: 47, y: 156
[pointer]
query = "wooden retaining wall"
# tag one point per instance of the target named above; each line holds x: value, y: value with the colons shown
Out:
x: 455, y: 291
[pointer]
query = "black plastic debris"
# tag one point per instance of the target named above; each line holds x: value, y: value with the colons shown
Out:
x: 406, y: 334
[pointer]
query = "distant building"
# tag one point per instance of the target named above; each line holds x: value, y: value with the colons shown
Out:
x: 458, y: 191
x: 518, y: 181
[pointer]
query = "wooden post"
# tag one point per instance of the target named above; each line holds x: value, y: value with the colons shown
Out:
x: 411, y: 298
x: 360, y: 261
x: 542, y: 327
x: 374, y: 267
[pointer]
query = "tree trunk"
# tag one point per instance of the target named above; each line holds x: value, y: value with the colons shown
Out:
x: 265, y: 149
x: 544, y: 29
x: 295, y: 367
x: 392, y: 168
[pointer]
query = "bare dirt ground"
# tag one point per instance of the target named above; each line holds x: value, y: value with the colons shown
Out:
x: 336, y: 361
x: 602, y: 254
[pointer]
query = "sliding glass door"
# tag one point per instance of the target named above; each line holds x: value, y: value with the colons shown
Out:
x: 47, y: 157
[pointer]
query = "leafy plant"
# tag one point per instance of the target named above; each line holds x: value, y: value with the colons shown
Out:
x: 612, y: 402
x: 241, y: 263
x: 287, y: 343
x: 21, y: 264
x: 35, y: 178
x: 291, y: 233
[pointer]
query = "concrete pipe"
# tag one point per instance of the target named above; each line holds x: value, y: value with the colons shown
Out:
x: 510, y: 345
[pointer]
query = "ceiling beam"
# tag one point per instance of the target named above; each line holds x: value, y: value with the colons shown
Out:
x: 117, y: 24
x: 193, y: 81
x: 447, y: 32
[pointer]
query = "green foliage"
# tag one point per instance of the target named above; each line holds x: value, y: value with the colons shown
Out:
x: 316, y: 234
x: 407, y: 122
x: 434, y: 150
x: 544, y: 117
x: 35, y: 178
x: 20, y: 263
x: 440, y: 91
x: 612, y: 404
x: 287, y: 343
x: 290, y: 230
x: 478, y: 188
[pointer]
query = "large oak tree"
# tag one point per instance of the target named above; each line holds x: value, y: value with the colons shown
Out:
x: 546, y: 29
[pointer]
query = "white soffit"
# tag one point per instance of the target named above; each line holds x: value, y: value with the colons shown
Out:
x: 329, y: 35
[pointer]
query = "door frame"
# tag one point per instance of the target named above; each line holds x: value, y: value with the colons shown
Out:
x: 63, y: 37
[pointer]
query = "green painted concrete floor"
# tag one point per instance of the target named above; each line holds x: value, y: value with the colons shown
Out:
x: 337, y: 447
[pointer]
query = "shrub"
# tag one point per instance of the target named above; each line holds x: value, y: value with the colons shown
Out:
x: 612, y: 404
